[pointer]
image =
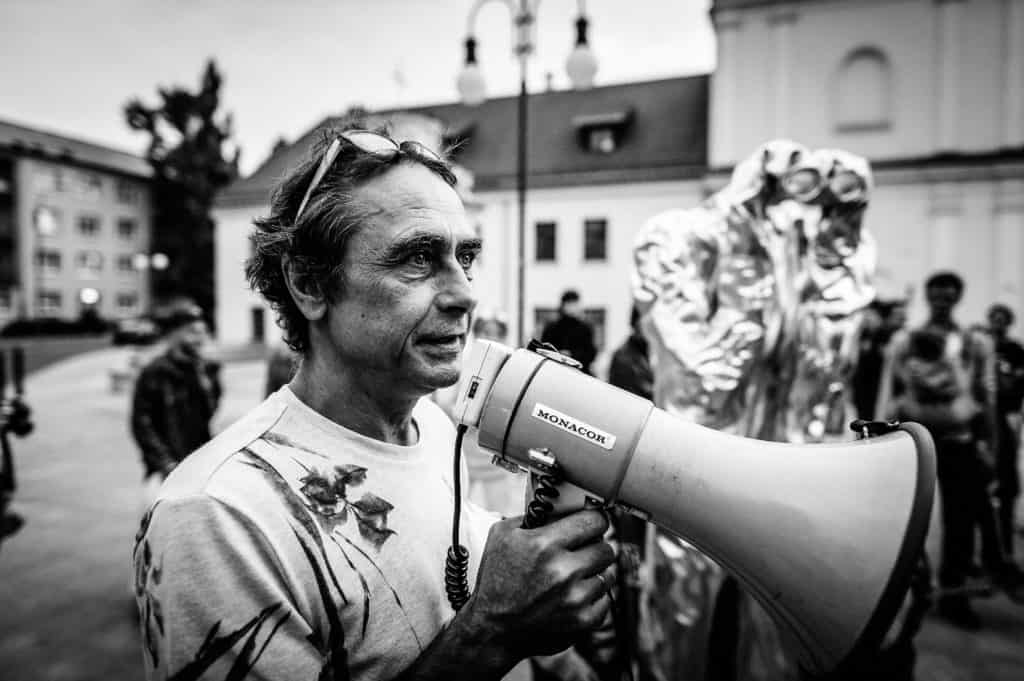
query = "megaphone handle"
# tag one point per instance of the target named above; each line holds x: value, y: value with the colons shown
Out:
x: 546, y: 492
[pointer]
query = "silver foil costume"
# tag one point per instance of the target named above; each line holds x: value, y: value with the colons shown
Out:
x: 751, y: 303
x: 752, y: 300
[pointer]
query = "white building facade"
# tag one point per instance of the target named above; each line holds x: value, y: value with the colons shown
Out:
x: 931, y: 91
x: 602, y: 161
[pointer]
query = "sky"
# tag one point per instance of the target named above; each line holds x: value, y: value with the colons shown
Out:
x: 70, y: 65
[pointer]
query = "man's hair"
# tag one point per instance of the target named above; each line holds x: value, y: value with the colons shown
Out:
x: 945, y: 279
x: 1002, y: 309
x: 315, y: 244
x: 570, y: 296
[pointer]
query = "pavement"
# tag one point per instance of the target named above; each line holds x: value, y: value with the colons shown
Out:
x: 66, y: 610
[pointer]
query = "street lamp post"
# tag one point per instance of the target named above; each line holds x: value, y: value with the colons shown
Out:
x: 581, y: 67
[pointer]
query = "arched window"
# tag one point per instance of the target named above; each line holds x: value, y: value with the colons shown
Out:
x: 863, y: 91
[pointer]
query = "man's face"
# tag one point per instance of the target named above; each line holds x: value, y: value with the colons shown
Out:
x: 191, y: 337
x: 897, y: 318
x: 402, y: 311
x: 572, y: 308
x: 999, y: 322
x: 942, y: 299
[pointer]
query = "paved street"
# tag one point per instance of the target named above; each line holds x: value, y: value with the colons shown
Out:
x: 65, y: 608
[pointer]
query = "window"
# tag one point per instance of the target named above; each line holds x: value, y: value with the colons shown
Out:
x: 46, y: 221
x: 91, y: 186
x: 126, y: 228
x: 595, y: 239
x: 48, y: 261
x: 545, y: 243
x: 863, y: 91
x: 127, y: 193
x: 126, y: 264
x: 127, y: 301
x: 601, y: 140
x: 89, y: 225
x: 48, y: 302
x: 89, y: 264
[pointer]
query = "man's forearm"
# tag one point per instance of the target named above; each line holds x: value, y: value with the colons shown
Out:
x: 464, y: 650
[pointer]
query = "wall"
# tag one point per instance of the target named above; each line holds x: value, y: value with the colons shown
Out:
x: 601, y: 284
x: 974, y: 227
x: 956, y: 71
x: 235, y: 300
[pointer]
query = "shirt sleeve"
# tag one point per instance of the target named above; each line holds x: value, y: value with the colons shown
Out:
x: 214, y: 603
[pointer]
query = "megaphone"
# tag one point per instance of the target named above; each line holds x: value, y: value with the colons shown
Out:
x: 824, y: 536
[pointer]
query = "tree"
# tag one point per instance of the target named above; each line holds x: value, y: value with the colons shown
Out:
x: 192, y: 159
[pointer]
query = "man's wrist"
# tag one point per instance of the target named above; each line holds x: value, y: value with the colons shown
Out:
x: 468, y: 648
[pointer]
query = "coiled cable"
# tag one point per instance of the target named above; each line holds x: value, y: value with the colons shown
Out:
x: 456, y: 565
x: 541, y: 506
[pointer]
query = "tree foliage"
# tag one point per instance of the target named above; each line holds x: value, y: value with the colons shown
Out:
x: 193, y: 158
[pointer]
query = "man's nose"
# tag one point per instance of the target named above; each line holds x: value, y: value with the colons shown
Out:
x: 456, y: 292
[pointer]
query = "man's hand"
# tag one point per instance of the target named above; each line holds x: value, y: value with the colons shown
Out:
x: 539, y: 590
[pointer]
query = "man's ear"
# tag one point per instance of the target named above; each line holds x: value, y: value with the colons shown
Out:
x: 307, y: 294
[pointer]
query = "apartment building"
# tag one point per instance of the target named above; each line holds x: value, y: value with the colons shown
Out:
x: 75, y: 225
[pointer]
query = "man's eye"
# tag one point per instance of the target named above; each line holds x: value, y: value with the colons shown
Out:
x: 467, y: 259
x: 419, y: 258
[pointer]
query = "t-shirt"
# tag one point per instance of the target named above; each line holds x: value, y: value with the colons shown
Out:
x: 292, y: 548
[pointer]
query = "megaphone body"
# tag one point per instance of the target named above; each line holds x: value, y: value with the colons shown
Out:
x: 824, y: 536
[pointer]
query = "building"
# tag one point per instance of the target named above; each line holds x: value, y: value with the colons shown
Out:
x: 932, y: 91
x: 74, y: 227
x: 601, y: 161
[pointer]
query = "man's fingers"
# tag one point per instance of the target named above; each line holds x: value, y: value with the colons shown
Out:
x: 594, y: 559
x: 578, y: 529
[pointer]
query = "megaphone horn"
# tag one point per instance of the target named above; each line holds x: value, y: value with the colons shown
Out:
x: 824, y: 536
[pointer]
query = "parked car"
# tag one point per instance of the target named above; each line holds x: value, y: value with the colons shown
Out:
x: 135, y: 331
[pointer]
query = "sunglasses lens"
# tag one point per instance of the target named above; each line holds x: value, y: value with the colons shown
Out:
x: 847, y: 186
x: 371, y: 142
x: 421, y: 150
x: 801, y: 183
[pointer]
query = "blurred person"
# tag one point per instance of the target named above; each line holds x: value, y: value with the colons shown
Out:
x: 883, y: 319
x: 281, y: 365
x: 176, y: 395
x: 630, y: 367
x: 1009, y: 401
x: 309, y: 540
x: 570, y: 333
x: 493, y: 488
x: 948, y: 375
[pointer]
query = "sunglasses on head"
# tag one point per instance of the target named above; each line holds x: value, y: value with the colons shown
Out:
x: 370, y: 142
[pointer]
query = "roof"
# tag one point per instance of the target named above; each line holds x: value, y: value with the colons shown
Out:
x: 665, y: 138
x: 22, y: 140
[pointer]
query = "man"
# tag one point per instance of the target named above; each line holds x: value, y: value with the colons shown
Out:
x: 176, y: 395
x: 883, y: 319
x: 948, y: 383
x: 1009, y: 399
x: 308, y: 541
x: 570, y: 333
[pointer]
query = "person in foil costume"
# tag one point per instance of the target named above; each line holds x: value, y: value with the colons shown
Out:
x: 751, y: 303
